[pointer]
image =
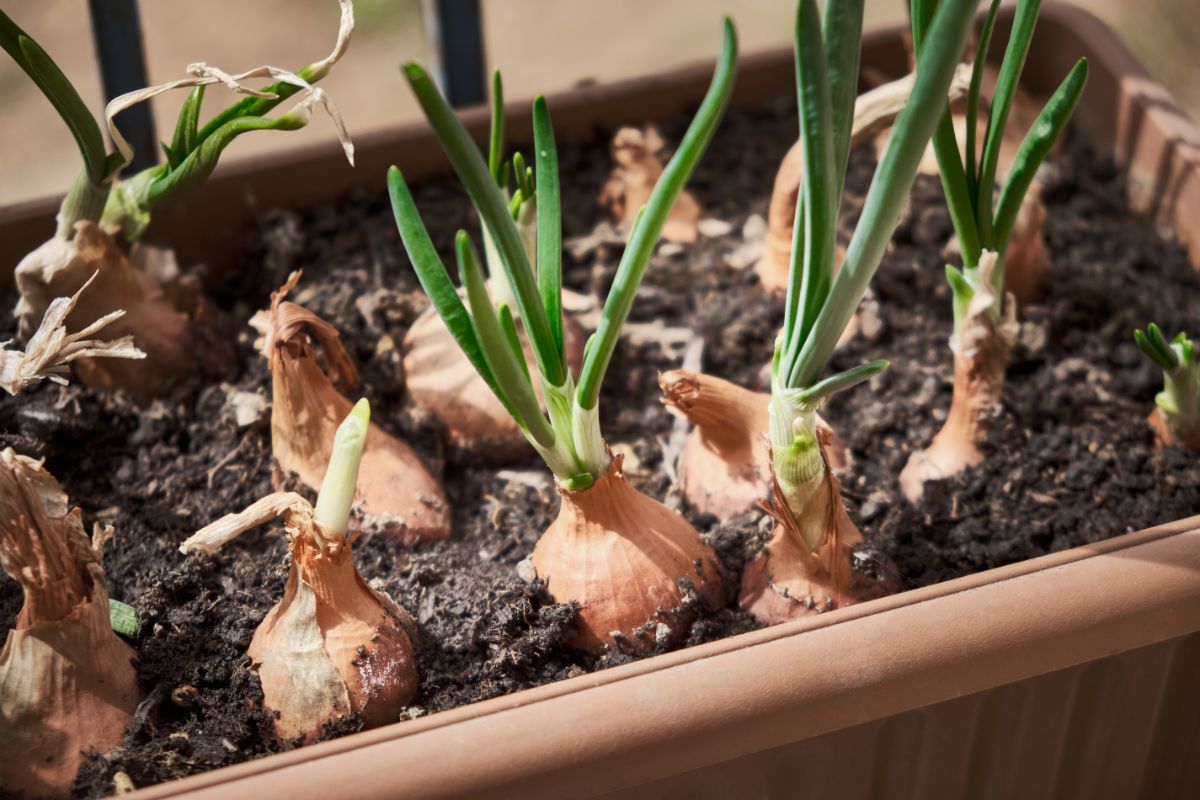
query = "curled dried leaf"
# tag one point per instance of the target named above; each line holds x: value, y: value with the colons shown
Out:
x: 202, y: 74
x: 51, y: 349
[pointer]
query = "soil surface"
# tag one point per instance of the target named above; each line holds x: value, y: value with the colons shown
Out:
x: 1069, y: 460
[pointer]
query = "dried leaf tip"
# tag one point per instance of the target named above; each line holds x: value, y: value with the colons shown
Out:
x: 51, y: 349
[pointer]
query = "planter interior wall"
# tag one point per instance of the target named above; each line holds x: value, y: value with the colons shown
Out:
x: 1071, y: 675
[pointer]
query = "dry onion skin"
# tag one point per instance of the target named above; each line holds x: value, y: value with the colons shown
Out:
x: 332, y: 646
x: 180, y: 336
x: 399, y: 496
x: 67, y: 683
x: 636, y: 170
x: 980, y: 349
x: 443, y: 384
x: 725, y: 465
x: 636, y: 571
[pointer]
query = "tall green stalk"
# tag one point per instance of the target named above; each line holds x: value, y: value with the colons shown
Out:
x: 821, y: 298
x: 566, y: 431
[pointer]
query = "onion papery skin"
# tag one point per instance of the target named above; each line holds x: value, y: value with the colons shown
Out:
x: 630, y: 564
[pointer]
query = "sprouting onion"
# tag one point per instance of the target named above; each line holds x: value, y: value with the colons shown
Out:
x: 1177, y: 416
x: 984, y: 320
x: 332, y: 646
x: 806, y: 566
x: 567, y: 432
x: 634, y: 568
x: 194, y: 150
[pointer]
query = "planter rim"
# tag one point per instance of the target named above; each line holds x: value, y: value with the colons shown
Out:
x: 1182, y: 537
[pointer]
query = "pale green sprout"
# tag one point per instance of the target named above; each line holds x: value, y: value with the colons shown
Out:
x: 1179, y: 401
x: 336, y: 498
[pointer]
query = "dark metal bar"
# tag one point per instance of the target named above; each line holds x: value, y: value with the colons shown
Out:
x: 117, y: 31
x: 460, y: 45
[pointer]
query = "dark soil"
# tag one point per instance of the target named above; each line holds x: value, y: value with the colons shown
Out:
x: 1069, y: 459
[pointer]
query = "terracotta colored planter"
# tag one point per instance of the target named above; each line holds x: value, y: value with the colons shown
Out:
x: 1071, y: 675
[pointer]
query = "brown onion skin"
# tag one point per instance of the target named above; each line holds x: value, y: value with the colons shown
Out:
x: 629, y: 563
x: 367, y: 665
x: 443, y: 384
x: 67, y: 681
x: 397, y: 494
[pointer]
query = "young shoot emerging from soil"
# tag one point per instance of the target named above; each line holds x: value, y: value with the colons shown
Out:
x: 333, y: 646
x: 1176, y: 419
x: 635, y: 568
x: 984, y: 313
x: 167, y: 315
x: 438, y: 375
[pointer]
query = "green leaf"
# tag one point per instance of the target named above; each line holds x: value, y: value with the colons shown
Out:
x: 1035, y: 147
x: 956, y: 181
x: 981, y: 51
x: 842, y: 39
x: 492, y: 209
x: 1156, y: 348
x: 921, y: 16
x: 840, y: 382
x: 648, y: 226
x: 549, y: 220
x: 123, y: 619
x: 496, y: 137
x: 200, y: 163
x: 1019, y: 38
x: 46, y: 75
x: 436, y: 281
x: 187, y: 136
x: 510, y: 371
x: 816, y: 260
x: 962, y: 292
x: 509, y: 325
x: 890, y: 187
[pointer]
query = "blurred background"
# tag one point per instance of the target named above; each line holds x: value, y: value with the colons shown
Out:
x: 541, y: 46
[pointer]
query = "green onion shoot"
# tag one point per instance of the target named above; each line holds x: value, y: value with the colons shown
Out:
x: 564, y: 428
x: 985, y: 213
